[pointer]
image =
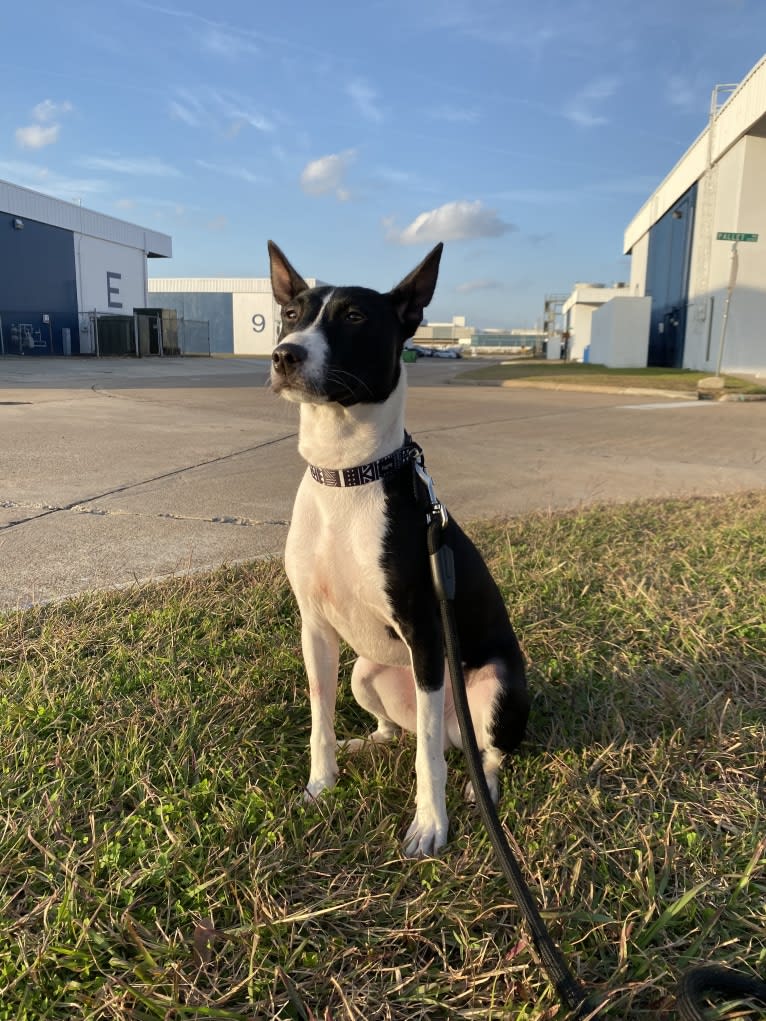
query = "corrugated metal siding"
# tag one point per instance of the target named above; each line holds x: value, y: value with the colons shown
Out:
x: 39, y: 278
x: 745, y: 106
x: 34, y: 205
x: 684, y: 174
x: 214, y: 309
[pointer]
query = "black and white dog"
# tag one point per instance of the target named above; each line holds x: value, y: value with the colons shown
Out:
x: 356, y: 551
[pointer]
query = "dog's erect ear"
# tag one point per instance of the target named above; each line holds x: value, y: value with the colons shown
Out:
x: 285, y: 281
x: 411, y: 296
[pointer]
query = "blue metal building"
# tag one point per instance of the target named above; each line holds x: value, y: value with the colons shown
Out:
x: 61, y: 265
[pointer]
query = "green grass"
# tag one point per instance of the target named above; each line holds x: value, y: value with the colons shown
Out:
x: 575, y: 373
x: 157, y: 861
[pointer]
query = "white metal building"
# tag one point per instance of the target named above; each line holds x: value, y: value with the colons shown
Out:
x: 243, y: 316
x: 454, y: 332
x: 61, y: 265
x: 704, y: 229
x: 577, y: 311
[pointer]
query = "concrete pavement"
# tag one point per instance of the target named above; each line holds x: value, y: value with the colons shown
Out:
x: 118, y: 470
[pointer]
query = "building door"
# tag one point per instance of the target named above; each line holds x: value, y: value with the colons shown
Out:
x: 667, y: 281
x: 674, y: 348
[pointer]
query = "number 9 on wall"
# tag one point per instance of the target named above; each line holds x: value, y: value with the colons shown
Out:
x: 259, y: 322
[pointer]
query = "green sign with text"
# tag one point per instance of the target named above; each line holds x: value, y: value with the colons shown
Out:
x: 725, y: 235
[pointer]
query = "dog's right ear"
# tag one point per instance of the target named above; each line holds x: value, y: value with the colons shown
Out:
x: 411, y: 296
x: 285, y: 281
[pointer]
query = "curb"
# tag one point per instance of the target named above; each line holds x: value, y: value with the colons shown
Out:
x: 521, y: 384
x: 640, y: 391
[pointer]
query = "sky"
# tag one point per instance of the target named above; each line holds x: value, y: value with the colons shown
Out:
x: 525, y: 134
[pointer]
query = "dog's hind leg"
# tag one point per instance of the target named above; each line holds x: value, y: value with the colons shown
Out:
x: 499, y: 705
x: 388, y: 694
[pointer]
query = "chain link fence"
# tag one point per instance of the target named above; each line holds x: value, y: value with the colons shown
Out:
x: 146, y: 333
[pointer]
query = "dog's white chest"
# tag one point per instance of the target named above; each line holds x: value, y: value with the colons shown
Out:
x: 334, y: 557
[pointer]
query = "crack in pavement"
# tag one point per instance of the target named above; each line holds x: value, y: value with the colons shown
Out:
x: 218, y: 519
x: 80, y: 505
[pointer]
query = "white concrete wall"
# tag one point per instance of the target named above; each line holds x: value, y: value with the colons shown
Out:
x: 111, y: 278
x: 579, y: 307
x: 553, y: 349
x: 639, y: 259
x: 619, y: 335
x: 580, y: 317
x: 254, y: 319
x: 739, y: 207
x: 745, y: 346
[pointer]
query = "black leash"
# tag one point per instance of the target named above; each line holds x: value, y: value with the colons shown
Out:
x: 570, y: 991
x: 697, y: 983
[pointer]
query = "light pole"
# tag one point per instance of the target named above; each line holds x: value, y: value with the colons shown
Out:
x: 732, y: 281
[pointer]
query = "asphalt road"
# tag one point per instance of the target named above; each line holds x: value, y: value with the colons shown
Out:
x: 113, y: 471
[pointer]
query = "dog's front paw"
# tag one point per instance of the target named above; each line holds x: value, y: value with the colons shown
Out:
x: 426, y: 836
x: 317, y: 785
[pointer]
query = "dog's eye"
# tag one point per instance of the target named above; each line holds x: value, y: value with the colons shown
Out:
x: 354, y: 316
x: 290, y: 314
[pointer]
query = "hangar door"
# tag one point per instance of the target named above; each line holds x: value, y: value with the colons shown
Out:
x: 667, y: 281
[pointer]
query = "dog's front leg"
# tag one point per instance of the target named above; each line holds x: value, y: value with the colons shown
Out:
x: 428, y: 832
x: 320, y: 654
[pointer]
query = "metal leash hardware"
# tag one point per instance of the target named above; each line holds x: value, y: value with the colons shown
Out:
x: 437, y: 508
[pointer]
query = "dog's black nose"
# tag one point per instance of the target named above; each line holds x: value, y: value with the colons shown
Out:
x: 287, y: 357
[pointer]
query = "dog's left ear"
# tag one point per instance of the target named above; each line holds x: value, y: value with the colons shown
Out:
x: 285, y: 281
x: 411, y: 296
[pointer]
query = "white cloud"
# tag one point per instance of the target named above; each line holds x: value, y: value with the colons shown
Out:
x: 455, y: 221
x: 217, y: 110
x: 149, y: 166
x: 478, y: 285
x: 37, y: 136
x: 29, y: 175
x: 327, y: 175
x: 222, y: 41
x: 184, y: 113
x: 365, y: 100
x: 45, y: 131
x: 585, y: 107
x: 231, y: 170
x: 255, y: 120
x: 47, y: 110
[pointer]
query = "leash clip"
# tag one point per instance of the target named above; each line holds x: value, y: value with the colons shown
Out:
x: 437, y: 508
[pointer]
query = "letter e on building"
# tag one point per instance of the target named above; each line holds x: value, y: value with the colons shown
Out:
x: 112, y: 291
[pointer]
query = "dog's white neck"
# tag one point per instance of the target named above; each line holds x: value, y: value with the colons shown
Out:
x: 332, y: 436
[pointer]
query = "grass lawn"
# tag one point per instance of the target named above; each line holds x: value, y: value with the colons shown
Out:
x: 680, y: 380
x: 157, y: 860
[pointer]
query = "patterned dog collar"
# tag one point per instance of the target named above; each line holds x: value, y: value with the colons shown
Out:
x: 361, y: 474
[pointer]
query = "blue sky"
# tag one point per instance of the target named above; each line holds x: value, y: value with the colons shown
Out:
x: 357, y: 134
